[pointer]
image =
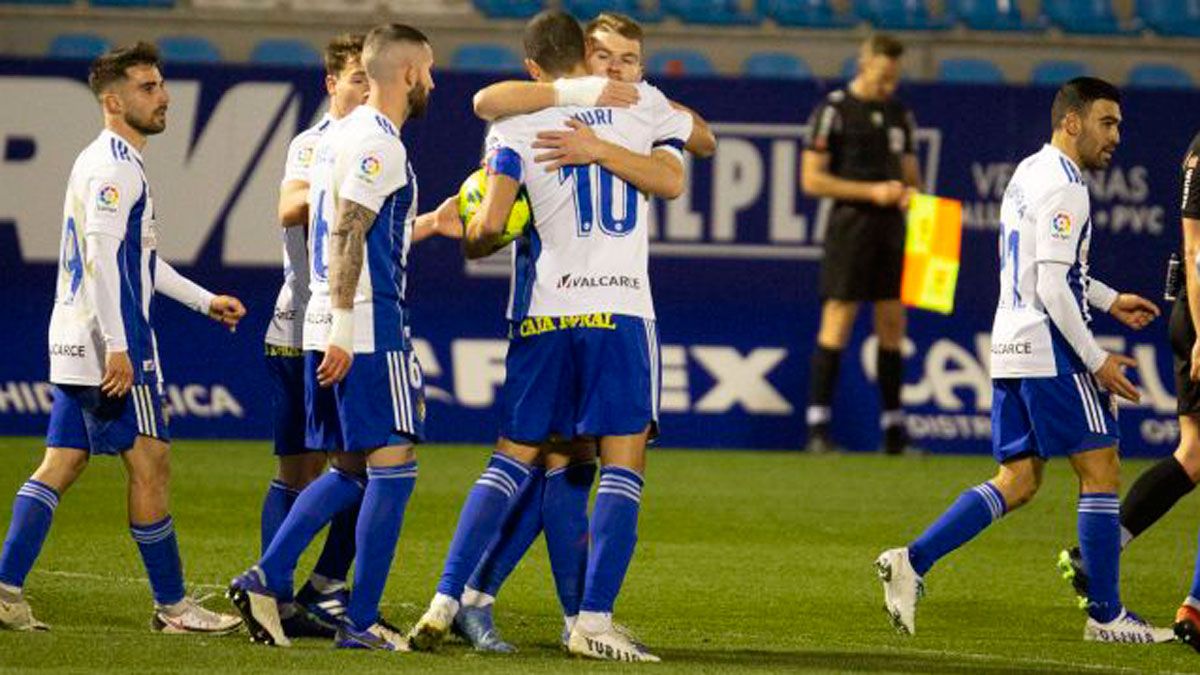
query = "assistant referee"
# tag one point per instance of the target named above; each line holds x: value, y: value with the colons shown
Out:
x: 861, y: 154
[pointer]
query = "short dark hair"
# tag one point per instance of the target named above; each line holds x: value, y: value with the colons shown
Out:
x: 554, y: 41
x: 383, y: 35
x: 883, y: 44
x: 341, y: 50
x: 109, y: 68
x: 1077, y: 95
x: 612, y: 22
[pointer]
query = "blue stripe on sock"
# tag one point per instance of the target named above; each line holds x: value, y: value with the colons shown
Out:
x: 32, y: 513
x: 160, y: 554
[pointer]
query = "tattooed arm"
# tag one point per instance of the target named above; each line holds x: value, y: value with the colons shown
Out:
x: 346, y: 249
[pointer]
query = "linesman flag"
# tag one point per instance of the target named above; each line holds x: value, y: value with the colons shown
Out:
x: 932, y: 253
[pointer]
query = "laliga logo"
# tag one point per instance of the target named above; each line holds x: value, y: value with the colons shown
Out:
x: 1060, y: 227
x: 306, y: 156
x: 370, y: 166
x: 109, y: 197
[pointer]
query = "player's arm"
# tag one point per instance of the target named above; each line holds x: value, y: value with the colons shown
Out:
x: 1132, y: 310
x: 483, y: 232
x: 293, y: 203
x: 224, y: 309
x: 702, y: 142
x: 443, y: 221
x: 111, y: 195
x: 347, y: 247
x: 512, y: 97
x: 910, y: 167
x: 817, y: 181
x: 1190, y: 210
x: 660, y: 173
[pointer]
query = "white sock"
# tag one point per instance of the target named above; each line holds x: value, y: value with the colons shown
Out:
x: 474, y: 598
x: 444, y: 603
x: 324, y: 585
x: 1192, y: 602
x: 6, y: 591
x: 595, y: 622
x: 1126, y: 537
x: 569, y: 621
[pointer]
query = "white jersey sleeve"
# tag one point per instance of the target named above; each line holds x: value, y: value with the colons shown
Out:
x: 373, y: 171
x: 508, y: 149
x: 301, y: 153
x: 1060, y: 219
x: 112, y: 191
x: 671, y: 127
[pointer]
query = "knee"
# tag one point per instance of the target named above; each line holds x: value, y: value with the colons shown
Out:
x: 61, y: 468
x: 1188, y: 456
x: 299, y: 470
x: 1018, y: 489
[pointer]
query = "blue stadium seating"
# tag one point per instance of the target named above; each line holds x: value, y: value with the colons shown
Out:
x: 996, y: 15
x: 1170, y: 17
x: 1057, y: 72
x: 1087, y: 17
x: 586, y: 10
x: 77, y: 46
x: 975, y: 71
x: 134, y: 4
x: 37, y: 2
x: 781, y: 65
x: 899, y: 14
x: 285, y: 52
x: 679, y: 62
x: 188, y: 49
x: 509, y: 9
x: 1159, y: 76
x: 805, y: 13
x: 711, y: 12
x: 487, y: 58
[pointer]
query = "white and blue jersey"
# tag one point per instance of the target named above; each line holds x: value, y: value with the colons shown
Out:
x: 1045, y: 398
x: 107, y: 196
x: 583, y: 356
x: 361, y: 158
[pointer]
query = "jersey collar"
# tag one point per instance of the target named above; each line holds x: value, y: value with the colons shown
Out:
x: 124, y: 147
x: 1063, y: 155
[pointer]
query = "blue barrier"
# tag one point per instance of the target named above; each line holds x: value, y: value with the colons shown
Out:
x: 734, y: 262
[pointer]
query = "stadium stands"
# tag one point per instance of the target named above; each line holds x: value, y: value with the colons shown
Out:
x: 509, y: 9
x: 674, y: 62
x: 711, y: 12
x: 806, y: 13
x: 995, y: 15
x: 1159, y: 76
x: 487, y: 58
x: 77, y: 46
x: 1087, y: 17
x: 586, y: 10
x: 1170, y: 17
x: 780, y: 65
x: 188, y: 49
x: 969, y: 71
x: 899, y: 14
x: 134, y: 4
x: 287, y: 52
x: 1056, y: 72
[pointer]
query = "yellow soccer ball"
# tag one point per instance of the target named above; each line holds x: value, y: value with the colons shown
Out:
x: 470, y: 198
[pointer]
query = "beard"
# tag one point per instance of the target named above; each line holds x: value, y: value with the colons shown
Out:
x: 418, y: 101
x: 154, y: 123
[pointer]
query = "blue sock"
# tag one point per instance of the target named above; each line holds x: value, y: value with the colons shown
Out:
x: 33, y: 509
x: 338, y: 552
x: 565, y: 517
x: 379, y: 522
x: 614, y: 536
x: 485, y: 508
x: 317, y: 504
x: 1100, y: 544
x: 160, y: 555
x: 522, y: 525
x: 1195, y: 580
x: 970, y: 514
x: 280, y: 497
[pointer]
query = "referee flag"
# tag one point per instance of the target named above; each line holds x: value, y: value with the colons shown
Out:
x: 931, y: 253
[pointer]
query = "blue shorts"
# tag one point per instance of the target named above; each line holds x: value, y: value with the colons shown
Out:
x: 381, y: 402
x: 589, y: 375
x: 285, y: 377
x: 84, y: 418
x: 1045, y: 416
x: 322, y: 428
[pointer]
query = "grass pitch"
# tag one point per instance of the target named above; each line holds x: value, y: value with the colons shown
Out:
x: 747, y: 561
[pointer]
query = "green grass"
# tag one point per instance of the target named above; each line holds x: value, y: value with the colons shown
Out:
x: 747, y: 561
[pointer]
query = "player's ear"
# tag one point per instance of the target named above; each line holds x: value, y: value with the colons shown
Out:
x: 111, y: 103
x: 1072, y: 123
x: 534, y: 70
x: 330, y: 84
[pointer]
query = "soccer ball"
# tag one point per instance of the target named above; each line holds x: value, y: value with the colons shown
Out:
x: 470, y: 198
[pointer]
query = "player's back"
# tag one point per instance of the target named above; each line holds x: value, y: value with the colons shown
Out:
x: 588, y: 250
x: 1044, y: 217
x: 107, y: 194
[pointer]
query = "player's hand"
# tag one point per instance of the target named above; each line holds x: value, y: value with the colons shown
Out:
x: 446, y: 220
x: 618, y: 95
x: 888, y: 193
x: 118, y: 374
x: 580, y: 145
x: 1112, y: 377
x: 909, y: 193
x: 1195, y: 374
x: 227, y: 310
x: 334, y: 366
x: 1133, y: 310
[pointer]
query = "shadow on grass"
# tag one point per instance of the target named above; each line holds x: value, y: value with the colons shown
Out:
x: 817, y: 660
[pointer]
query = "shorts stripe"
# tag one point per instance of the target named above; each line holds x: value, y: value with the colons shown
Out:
x: 137, y: 410
x: 653, y: 352
x: 391, y: 364
x: 1089, y: 411
x: 147, y: 425
x: 1091, y: 383
x: 405, y: 393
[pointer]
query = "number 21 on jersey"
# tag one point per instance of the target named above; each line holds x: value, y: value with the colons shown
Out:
x: 1010, y: 262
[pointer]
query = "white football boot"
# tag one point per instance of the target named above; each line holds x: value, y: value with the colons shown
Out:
x: 189, y: 617
x: 16, y: 614
x: 1126, y: 628
x: 428, y: 633
x: 902, y: 588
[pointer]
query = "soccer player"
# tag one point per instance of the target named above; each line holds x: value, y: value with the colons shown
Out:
x: 1158, y: 489
x: 1052, y: 384
x: 357, y: 339
x: 583, y: 353
x: 322, y: 600
x: 104, y: 363
x: 614, y: 49
x: 861, y: 154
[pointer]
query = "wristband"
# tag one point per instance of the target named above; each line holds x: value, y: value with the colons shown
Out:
x: 341, y: 330
x: 580, y: 91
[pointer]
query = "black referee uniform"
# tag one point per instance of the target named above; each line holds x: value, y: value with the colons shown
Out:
x: 864, y: 244
x: 1181, y: 329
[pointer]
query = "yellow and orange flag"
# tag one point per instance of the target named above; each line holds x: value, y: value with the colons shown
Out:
x: 932, y: 253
